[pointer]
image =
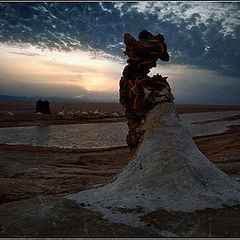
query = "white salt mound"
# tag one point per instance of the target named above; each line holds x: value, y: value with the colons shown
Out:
x: 167, y: 172
x: 61, y: 113
x: 70, y: 112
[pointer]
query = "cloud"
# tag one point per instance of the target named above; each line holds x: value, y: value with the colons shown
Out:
x: 25, y: 53
x: 205, y: 34
x: 16, y: 86
x: 73, y: 80
x: 192, y: 85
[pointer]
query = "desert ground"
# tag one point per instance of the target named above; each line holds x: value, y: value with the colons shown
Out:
x: 33, y: 180
x: 24, y: 112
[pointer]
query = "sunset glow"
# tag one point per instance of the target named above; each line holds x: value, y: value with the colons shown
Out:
x: 76, y: 69
x: 75, y: 50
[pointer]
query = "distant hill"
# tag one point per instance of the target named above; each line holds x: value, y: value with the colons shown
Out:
x: 15, y: 98
x: 51, y: 99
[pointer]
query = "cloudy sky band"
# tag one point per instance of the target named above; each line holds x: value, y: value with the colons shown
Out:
x: 202, y: 35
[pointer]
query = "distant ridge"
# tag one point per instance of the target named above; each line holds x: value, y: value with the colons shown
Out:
x: 52, y: 99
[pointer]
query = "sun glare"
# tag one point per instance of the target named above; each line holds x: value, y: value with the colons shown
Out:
x: 79, y: 68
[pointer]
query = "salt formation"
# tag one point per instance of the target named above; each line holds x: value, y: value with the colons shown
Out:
x: 97, y: 111
x: 39, y: 113
x: 61, y: 113
x: 70, y: 112
x: 101, y: 114
x: 84, y: 113
x: 166, y: 171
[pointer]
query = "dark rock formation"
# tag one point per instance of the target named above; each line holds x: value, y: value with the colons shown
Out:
x: 42, y: 106
x: 139, y: 93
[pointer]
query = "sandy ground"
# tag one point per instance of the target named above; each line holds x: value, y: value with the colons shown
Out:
x: 31, y: 172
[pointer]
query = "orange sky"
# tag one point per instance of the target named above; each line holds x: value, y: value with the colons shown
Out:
x: 28, y: 71
x: 77, y: 69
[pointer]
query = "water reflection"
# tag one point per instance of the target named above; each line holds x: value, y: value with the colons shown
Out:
x: 94, y: 135
x: 42, y: 135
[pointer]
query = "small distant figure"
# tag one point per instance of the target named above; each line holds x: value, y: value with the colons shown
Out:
x: 42, y: 106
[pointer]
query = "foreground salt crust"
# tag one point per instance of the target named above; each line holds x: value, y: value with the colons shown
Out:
x: 167, y: 172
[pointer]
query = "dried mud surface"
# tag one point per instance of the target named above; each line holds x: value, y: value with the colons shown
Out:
x: 33, y: 178
x: 26, y: 172
x: 58, y: 217
x: 205, y: 223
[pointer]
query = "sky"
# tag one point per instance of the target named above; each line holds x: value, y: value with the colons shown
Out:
x: 75, y: 50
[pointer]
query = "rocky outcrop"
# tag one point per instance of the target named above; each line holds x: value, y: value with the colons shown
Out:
x: 139, y: 93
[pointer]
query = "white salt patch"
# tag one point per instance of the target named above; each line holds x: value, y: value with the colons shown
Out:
x: 61, y: 113
x: 210, y: 128
x: 70, y: 112
x: 39, y: 113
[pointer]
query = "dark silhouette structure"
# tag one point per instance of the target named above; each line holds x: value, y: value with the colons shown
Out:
x: 139, y: 93
x: 42, y: 106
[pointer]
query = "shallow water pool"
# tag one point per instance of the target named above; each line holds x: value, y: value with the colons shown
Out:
x: 103, y: 135
x: 92, y: 135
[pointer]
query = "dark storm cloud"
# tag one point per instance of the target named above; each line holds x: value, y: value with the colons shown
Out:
x: 203, y: 34
x: 25, y: 54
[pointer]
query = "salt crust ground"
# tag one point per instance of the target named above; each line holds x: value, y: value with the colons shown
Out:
x: 167, y: 172
x: 210, y: 128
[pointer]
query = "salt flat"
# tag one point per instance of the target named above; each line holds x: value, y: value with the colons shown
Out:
x: 209, y: 128
x: 62, y: 171
x: 204, y: 116
x: 100, y: 134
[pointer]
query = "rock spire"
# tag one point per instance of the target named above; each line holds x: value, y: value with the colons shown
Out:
x: 139, y: 93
